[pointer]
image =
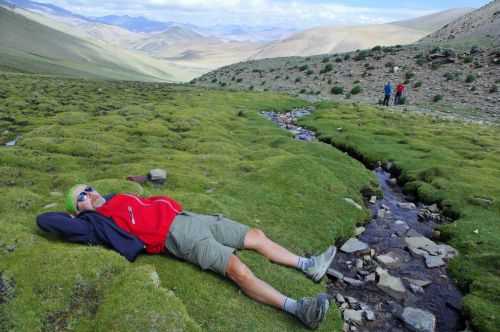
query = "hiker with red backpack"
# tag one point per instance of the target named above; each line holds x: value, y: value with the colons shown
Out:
x: 400, y: 89
x: 132, y: 224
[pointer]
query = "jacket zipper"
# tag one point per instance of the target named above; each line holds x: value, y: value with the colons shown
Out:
x: 131, y: 213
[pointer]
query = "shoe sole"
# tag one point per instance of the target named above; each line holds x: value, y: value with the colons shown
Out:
x: 323, y: 272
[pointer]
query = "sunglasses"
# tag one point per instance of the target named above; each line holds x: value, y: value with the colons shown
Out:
x: 83, y: 195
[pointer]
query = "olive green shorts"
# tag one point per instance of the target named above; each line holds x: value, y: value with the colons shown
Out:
x: 205, y: 240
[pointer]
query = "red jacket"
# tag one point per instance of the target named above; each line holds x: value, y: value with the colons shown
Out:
x: 400, y: 88
x: 147, y: 218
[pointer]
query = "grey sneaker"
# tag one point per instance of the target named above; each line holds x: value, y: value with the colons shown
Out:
x: 312, y: 311
x: 321, y: 264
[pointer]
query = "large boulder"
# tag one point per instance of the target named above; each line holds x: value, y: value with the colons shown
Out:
x: 390, y: 284
x: 418, y: 320
x: 353, y: 245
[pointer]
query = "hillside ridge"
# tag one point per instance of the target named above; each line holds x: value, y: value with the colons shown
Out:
x: 460, y: 82
x: 483, y: 23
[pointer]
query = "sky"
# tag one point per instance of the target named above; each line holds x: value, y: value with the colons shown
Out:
x: 297, y: 14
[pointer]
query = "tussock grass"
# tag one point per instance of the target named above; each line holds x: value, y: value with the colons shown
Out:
x: 222, y: 157
x: 447, y: 162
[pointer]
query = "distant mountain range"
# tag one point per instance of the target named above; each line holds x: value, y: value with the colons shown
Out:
x: 323, y: 40
x: 135, y: 24
x: 180, y: 52
x: 141, y: 24
x: 30, y: 47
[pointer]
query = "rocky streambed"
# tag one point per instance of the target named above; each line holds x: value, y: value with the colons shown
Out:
x: 391, y: 276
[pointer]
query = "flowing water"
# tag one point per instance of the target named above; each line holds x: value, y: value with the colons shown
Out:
x: 354, y: 278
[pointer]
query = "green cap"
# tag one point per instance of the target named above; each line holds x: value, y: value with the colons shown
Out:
x: 70, y: 200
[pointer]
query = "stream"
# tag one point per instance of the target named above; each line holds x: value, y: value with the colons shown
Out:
x: 391, y: 277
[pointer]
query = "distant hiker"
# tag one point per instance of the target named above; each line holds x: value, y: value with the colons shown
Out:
x: 132, y: 224
x: 400, y: 89
x: 387, y: 93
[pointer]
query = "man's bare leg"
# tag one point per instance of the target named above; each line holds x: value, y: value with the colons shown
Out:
x: 258, y: 241
x: 310, y: 311
x: 253, y: 286
x: 314, y: 267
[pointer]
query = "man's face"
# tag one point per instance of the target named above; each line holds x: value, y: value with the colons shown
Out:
x: 87, y: 198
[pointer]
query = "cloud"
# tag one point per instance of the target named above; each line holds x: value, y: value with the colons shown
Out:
x: 296, y: 14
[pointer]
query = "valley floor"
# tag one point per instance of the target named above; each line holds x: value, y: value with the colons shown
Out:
x: 222, y: 156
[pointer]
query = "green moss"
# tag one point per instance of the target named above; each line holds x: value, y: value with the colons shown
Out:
x: 221, y: 157
x: 136, y: 299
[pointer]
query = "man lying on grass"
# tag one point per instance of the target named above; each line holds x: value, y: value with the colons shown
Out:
x: 131, y: 224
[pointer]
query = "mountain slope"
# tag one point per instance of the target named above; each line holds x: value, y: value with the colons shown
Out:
x: 155, y: 44
x: 28, y: 46
x: 433, y: 22
x: 480, y: 25
x: 339, y: 39
x: 40, y: 7
x: 349, y: 38
x: 435, y: 78
x: 179, y: 51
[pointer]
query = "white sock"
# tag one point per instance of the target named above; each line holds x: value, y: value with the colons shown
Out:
x: 304, y: 263
x: 290, y: 306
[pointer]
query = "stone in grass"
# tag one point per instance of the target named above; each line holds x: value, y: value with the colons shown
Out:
x: 11, y: 247
x: 373, y: 199
x: 421, y: 283
x: 448, y: 251
x: 359, y: 230
x: 353, y: 203
x: 353, y: 282
x: 157, y: 175
x: 353, y: 245
x: 408, y: 206
x: 354, y: 316
x: 413, y: 233
x: 433, y: 208
x: 418, y: 244
x: 433, y: 261
x: 416, y: 289
x: 390, y: 285
x: 352, y: 301
x: 392, y: 181
x: 372, y: 277
x: 334, y: 273
x: 418, y: 320
x: 387, y: 259
x: 369, y: 315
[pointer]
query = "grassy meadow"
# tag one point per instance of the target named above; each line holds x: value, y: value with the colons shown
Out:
x: 221, y: 157
x: 451, y: 163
